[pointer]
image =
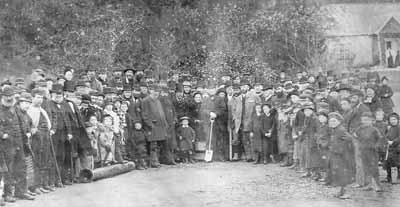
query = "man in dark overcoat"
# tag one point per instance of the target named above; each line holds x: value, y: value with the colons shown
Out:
x: 155, y: 124
x: 79, y: 147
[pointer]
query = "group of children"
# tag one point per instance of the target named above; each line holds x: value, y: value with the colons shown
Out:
x: 116, y: 138
x: 320, y: 146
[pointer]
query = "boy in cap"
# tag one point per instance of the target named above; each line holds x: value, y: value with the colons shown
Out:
x: 310, y: 147
x: 136, y: 144
x: 186, y: 137
x: 368, y: 137
x: 322, y: 137
x: 25, y: 125
x: 340, y: 173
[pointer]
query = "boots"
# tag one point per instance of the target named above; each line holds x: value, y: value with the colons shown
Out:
x: 257, y: 157
x: 191, y: 160
x: 290, y: 159
x: 154, y: 160
x: 139, y: 165
x: 265, y: 159
x: 143, y: 163
x: 295, y: 164
x: 389, y: 174
x: 285, y: 162
x: 235, y: 156
x: 273, y: 159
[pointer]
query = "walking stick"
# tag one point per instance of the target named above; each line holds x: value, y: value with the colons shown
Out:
x: 72, y: 162
x: 387, y: 152
x: 55, y: 159
x: 230, y: 144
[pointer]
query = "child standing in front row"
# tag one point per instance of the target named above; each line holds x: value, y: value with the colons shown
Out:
x: 186, y: 137
x: 322, y: 137
x: 267, y: 125
x: 369, y: 137
x: 107, y: 141
x: 256, y: 135
x: 136, y: 144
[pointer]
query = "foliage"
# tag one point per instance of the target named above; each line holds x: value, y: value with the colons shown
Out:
x: 202, y: 37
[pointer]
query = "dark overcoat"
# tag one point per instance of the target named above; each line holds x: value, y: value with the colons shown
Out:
x: 341, y: 172
x: 154, y: 119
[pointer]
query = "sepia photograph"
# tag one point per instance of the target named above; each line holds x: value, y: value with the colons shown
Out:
x: 200, y: 103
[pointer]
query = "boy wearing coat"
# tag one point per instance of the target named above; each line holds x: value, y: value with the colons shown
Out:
x: 369, y: 137
x: 136, y: 143
x: 255, y: 134
x: 186, y: 137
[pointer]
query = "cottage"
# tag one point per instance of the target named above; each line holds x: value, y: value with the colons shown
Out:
x: 363, y: 34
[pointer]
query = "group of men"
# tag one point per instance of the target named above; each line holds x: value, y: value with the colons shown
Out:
x: 44, y: 123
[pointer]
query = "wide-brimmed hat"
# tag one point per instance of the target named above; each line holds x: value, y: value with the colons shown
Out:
x: 7, y: 91
x: 129, y: 69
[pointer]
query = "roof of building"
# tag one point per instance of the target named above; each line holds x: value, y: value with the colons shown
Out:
x: 362, y: 19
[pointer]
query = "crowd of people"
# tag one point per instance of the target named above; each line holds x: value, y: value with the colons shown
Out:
x: 334, y: 128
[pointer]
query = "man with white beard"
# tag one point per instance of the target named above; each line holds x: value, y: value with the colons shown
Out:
x: 12, y: 158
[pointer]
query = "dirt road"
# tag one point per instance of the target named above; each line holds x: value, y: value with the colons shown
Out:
x: 215, y: 184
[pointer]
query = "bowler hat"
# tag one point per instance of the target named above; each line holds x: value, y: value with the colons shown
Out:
x: 127, y: 87
x: 108, y: 90
x: 244, y: 82
x: 344, y: 87
x: 356, y: 92
x: 129, y: 69
x: 57, y: 88
x: 69, y: 86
